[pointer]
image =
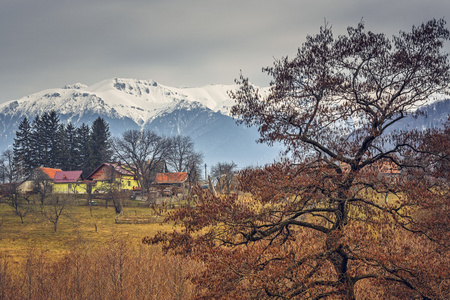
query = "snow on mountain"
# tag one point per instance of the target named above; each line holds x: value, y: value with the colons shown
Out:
x: 139, y: 100
x: 202, y: 113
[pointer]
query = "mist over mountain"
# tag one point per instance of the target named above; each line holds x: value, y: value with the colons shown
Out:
x: 201, y: 113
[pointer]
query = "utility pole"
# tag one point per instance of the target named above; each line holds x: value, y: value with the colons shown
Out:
x: 206, y: 176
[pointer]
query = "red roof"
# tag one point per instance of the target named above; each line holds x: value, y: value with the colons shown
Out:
x: 67, y: 176
x: 167, y: 178
x: 121, y: 169
x: 117, y: 168
x: 49, y: 171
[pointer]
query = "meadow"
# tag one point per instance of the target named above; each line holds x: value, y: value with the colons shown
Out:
x: 94, y: 226
x: 90, y: 256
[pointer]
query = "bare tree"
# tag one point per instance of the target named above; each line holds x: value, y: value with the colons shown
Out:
x: 9, y: 172
x: 54, y: 208
x: 223, y: 172
x: 2, y: 170
x: 21, y: 206
x: 182, y: 153
x: 180, y: 148
x: 223, y: 168
x: 112, y: 189
x: 43, y: 185
x: 10, y: 178
x: 143, y: 153
x: 182, y: 157
x: 194, y: 167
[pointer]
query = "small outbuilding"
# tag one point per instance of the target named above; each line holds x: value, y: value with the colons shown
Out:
x: 38, y: 177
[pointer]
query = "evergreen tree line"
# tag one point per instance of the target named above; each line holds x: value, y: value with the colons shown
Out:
x: 46, y: 141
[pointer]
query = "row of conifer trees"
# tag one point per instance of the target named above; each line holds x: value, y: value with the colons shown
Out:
x: 46, y: 141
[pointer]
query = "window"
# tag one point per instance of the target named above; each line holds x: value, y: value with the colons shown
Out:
x: 129, y: 183
x: 70, y: 186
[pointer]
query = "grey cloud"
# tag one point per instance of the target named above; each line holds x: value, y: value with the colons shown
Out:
x: 50, y: 43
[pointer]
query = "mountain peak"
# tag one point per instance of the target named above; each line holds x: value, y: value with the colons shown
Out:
x: 139, y: 100
x: 75, y: 86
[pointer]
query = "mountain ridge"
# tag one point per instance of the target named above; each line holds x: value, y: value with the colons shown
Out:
x: 203, y: 113
x: 140, y: 100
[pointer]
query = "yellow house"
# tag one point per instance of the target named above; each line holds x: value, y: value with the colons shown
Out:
x: 112, y: 176
x: 69, y: 182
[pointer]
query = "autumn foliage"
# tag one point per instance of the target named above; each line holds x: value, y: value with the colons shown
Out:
x: 331, y: 222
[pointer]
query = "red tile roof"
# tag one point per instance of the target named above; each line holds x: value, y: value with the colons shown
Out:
x: 170, y: 178
x: 121, y: 169
x: 117, y: 168
x: 67, y: 176
x: 49, y: 171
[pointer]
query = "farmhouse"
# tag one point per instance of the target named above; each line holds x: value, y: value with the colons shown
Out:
x: 172, y: 183
x: 112, y: 176
x: 69, y: 182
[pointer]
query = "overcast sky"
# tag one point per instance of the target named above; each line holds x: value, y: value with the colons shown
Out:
x: 50, y: 43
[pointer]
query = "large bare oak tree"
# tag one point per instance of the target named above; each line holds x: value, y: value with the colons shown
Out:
x: 360, y: 211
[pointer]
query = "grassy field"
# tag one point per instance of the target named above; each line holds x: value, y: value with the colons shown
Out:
x: 78, y: 224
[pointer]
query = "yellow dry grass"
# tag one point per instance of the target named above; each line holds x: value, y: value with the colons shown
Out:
x: 81, y: 225
x: 77, y: 225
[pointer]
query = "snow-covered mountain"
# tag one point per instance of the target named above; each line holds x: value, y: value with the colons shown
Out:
x: 139, y: 100
x: 202, y: 113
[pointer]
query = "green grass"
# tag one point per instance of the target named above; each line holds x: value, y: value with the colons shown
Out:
x: 77, y: 225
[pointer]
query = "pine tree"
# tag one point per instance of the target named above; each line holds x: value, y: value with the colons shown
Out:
x: 51, y: 140
x: 22, y: 148
x: 68, y: 148
x: 45, y: 140
x: 37, y: 153
x: 63, y: 159
x: 83, y: 137
x: 100, y: 143
x: 71, y: 148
